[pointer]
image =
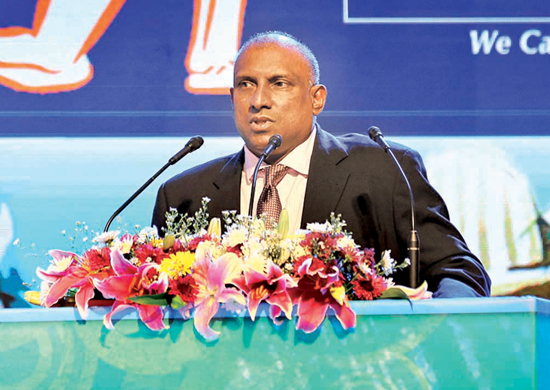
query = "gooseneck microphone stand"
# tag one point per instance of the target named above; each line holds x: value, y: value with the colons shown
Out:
x: 192, y: 145
x: 413, y: 243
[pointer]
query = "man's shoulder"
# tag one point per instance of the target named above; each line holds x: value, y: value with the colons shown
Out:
x: 205, y: 170
x: 353, y: 143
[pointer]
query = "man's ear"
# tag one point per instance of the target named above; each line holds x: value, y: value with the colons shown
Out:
x: 231, y: 93
x: 318, y: 98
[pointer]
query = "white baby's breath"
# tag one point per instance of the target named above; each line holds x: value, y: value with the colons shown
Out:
x: 106, y: 237
x: 319, y: 227
x: 148, y: 234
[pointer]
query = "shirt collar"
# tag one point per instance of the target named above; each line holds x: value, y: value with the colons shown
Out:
x: 297, y: 160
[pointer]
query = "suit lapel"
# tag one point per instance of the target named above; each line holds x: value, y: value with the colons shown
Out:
x: 228, y: 185
x: 326, y: 180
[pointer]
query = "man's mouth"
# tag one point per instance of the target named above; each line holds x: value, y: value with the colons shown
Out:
x: 261, y: 122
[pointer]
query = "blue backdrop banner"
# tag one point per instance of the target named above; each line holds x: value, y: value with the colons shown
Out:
x: 136, y: 68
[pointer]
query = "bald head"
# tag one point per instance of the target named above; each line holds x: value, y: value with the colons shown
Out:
x: 276, y: 92
x: 284, y: 40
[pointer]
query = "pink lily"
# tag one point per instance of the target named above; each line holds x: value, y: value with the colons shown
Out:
x: 211, y: 277
x: 271, y: 287
x: 68, y: 270
x: 131, y: 281
x: 313, y: 297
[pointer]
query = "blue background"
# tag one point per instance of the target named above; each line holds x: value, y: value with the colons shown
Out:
x: 407, y: 79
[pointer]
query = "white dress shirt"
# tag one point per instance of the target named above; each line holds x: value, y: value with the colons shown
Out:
x: 292, y: 188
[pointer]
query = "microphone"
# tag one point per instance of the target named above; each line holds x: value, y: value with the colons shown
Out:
x: 274, y: 142
x: 376, y: 135
x: 193, y: 144
x: 414, y: 243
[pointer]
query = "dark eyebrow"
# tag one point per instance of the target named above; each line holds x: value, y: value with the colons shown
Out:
x: 244, y: 77
x: 278, y: 77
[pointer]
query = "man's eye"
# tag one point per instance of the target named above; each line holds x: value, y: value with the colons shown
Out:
x: 280, y: 83
x: 245, y: 84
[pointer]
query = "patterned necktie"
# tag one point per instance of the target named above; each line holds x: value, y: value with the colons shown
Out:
x: 269, y: 202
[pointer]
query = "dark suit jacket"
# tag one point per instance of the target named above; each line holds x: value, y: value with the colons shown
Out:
x: 354, y: 177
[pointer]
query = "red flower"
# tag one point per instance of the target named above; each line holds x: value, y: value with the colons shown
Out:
x: 237, y: 249
x: 313, y: 264
x: 369, y: 287
x: 177, y: 247
x: 96, y: 260
x: 320, y: 245
x: 194, y: 243
x: 313, y: 296
x: 271, y: 288
x: 368, y: 257
x: 351, y: 255
x: 185, y: 287
x: 81, y: 273
x: 131, y: 281
x: 148, y: 251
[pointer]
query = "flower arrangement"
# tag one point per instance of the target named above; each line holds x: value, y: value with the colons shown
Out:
x: 197, y: 268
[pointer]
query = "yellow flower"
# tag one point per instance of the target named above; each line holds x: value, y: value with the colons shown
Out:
x: 157, y: 242
x: 338, y: 293
x: 215, y: 227
x: 33, y: 297
x: 178, y: 264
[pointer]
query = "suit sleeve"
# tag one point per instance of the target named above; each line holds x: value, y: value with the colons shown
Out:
x: 446, y: 263
x: 159, y: 211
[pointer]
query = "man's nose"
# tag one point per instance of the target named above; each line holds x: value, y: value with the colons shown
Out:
x: 261, y: 98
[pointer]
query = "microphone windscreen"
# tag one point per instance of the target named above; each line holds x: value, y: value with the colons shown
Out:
x: 276, y: 140
x: 374, y: 133
x: 195, y: 143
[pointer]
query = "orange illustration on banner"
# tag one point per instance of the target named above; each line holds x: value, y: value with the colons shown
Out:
x: 52, y: 56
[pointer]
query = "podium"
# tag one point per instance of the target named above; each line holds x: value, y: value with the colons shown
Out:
x: 486, y: 343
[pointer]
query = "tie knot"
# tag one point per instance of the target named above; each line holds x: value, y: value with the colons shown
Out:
x: 274, y: 174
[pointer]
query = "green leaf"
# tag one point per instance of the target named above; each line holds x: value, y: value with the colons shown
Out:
x: 177, y: 303
x: 394, y: 293
x: 153, y: 300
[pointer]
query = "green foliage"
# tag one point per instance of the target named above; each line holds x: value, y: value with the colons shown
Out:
x: 177, y: 303
x: 229, y: 217
x: 153, y: 300
x: 394, y: 293
x: 338, y: 223
x: 177, y: 224
x: 181, y: 225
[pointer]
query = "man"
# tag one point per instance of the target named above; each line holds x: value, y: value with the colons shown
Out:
x: 277, y: 91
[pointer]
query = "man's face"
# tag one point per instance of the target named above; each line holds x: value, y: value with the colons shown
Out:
x: 273, y: 94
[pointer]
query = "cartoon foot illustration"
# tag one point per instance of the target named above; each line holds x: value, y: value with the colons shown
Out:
x: 26, y: 65
x: 215, y: 40
x: 51, y: 57
x: 214, y: 81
